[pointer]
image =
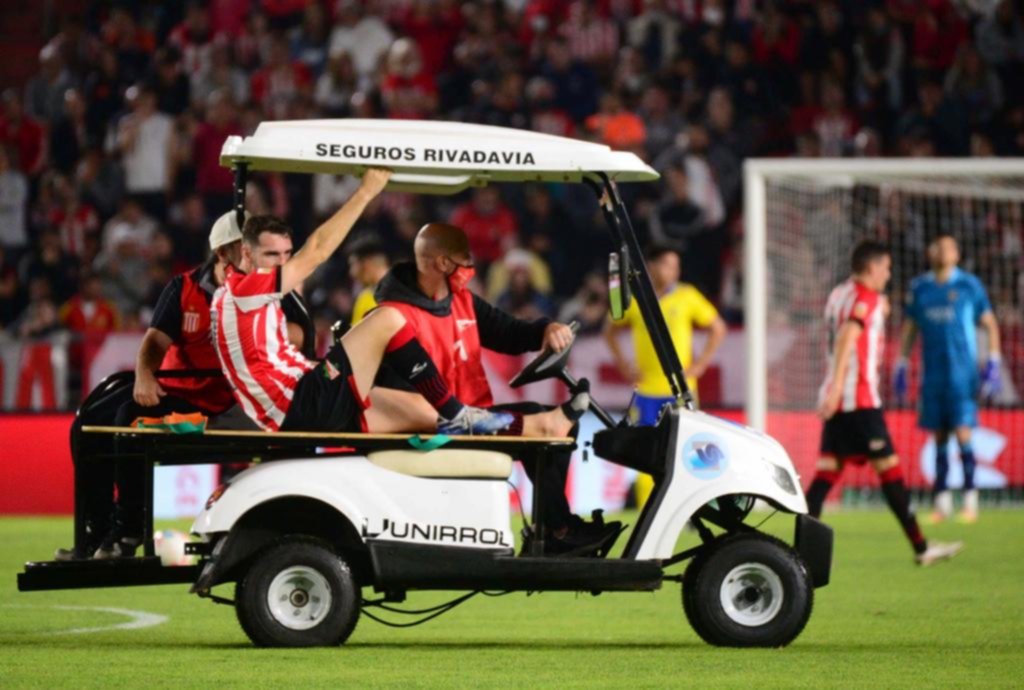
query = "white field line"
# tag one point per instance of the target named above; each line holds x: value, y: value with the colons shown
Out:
x: 138, y: 619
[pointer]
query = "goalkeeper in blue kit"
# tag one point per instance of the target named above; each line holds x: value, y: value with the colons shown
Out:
x: 945, y: 305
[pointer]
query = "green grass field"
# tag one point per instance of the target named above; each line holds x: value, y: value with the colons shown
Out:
x: 883, y: 622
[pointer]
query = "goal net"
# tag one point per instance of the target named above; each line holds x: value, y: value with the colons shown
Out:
x: 803, y: 218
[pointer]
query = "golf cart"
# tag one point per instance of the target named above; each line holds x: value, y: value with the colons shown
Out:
x: 323, y: 517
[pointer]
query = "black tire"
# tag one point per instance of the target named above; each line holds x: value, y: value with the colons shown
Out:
x: 309, y: 567
x: 763, y: 556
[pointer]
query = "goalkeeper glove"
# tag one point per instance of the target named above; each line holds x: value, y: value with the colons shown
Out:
x: 900, y: 379
x: 991, y: 378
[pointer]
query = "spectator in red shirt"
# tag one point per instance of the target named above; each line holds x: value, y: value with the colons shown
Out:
x: 435, y: 26
x: 228, y: 16
x: 938, y: 33
x: 775, y: 39
x: 490, y: 225
x: 214, y: 181
x: 282, y: 79
x: 409, y: 91
x: 23, y: 134
x: 88, y: 315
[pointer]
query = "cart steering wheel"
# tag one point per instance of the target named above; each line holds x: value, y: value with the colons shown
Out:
x: 548, y: 364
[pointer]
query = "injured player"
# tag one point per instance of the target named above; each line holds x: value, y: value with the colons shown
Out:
x: 280, y: 389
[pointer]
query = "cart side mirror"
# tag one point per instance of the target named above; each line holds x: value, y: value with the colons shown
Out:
x: 619, y: 296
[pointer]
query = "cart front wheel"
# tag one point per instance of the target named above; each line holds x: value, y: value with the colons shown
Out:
x: 748, y: 590
x: 298, y: 593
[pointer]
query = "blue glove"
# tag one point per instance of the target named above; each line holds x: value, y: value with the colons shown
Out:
x: 991, y: 378
x: 900, y: 379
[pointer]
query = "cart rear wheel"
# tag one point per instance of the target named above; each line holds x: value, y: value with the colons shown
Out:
x: 298, y: 593
x: 748, y: 590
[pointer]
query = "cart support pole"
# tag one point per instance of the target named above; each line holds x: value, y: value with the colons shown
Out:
x: 241, y: 179
x: 81, y: 533
x: 538, y: 517
x: 622, y: 227
x: 148, y: 548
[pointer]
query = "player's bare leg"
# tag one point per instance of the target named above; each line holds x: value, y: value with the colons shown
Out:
x: 556, y: 422
x: 384, y: 334
x: 969, y: 511
x: 895, y: 491
x: 393, y: 411
x: 942, y: 497
x: 366, y: 343
x: 829, y: 471
x: 550, y: 423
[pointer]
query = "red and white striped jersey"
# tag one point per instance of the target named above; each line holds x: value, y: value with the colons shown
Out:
x: 851, y: 301
x: 250, y: 335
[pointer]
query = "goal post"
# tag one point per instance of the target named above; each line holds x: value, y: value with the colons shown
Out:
x: 802, y: 218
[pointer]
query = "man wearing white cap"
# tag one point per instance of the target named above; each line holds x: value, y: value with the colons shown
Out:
x: 178, y: 336
x: 177, y: 339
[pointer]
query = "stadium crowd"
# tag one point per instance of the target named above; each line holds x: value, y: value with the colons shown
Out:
x: 109, y: 175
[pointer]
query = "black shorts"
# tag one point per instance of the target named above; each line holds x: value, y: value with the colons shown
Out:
x: 326, y: 398
x: 857, y: 435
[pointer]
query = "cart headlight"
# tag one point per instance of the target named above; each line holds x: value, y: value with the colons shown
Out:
x: 215, y: 496
x: 781, y: 477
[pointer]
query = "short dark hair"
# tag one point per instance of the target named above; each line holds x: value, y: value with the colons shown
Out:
x: 367, y: 248
x: 942, y: 235
x: 257, y: 225
x: 656, y: 250
x: 865, y: 252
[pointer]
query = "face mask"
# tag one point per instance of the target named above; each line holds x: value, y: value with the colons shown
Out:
x: 460, y: 277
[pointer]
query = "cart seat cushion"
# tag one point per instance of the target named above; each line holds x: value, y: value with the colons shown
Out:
x: 445, y: 463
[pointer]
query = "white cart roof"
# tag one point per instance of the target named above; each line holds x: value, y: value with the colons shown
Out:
x: 429, y: 157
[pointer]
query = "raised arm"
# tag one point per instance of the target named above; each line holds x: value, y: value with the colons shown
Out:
x: 326, y: 239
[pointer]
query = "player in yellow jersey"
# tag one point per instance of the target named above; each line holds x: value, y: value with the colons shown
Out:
x: 367, y: 264
x: 684, y: 308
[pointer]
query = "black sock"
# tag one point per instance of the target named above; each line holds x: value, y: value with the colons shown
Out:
x: 941, y: 466
x: 895, y: 492
x: 405, y: 354
x: 967, y: 458
x: 823, y: 482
